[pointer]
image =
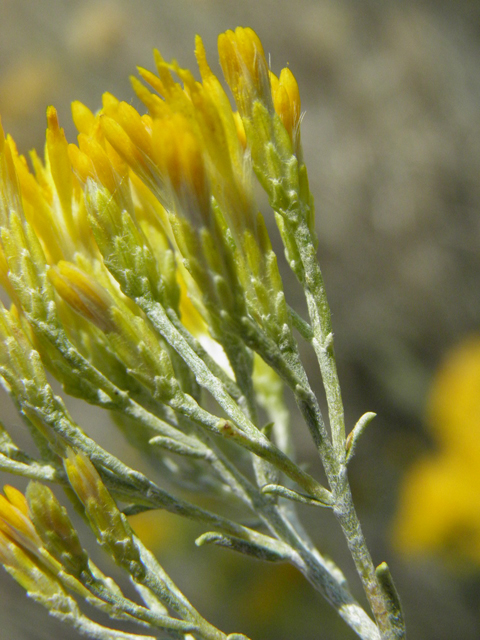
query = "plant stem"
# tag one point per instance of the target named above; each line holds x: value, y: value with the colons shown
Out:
x: 162, y: 585
x: 344, y: 510
x: 347, y: 517
x: 247, y: 433
x: 322, y: 341
x: 321, y: 578
x: 324, y: 576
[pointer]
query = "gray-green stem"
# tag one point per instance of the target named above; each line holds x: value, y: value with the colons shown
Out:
x: 246, y: 434
x: 323, y: 575
x: 344, y: 510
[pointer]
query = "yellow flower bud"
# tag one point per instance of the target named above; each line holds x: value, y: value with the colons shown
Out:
x: 84, y: 478
x: 83, y: 118
x: 104, y: 172
x: 134, y: 156
x: 9, y: 190
x: 16, y: 498
x: 110, y: 526
x: 81, y: 163
x: 286, y: 100
x: 132, y: 123
x: 15, y: 520
x: 245, y: 68
x: 83, y: 294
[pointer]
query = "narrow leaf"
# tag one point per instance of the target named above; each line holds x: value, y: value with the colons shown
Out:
x: 289, y: 494
x: 246, y: 547
x: 356, y: 432
x: 180, y: 448
x: 392, y: 600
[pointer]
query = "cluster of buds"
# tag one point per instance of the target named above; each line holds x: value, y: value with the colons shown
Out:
x: 142, y: 277
x: 141, y: 273
x: 41, y: 549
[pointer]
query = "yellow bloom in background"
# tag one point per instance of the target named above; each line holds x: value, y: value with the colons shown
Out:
x: 440, y: 500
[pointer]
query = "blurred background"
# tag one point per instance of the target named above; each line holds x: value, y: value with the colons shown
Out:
x: 391, y: 134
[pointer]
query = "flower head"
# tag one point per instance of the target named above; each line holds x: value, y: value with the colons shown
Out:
x: 286, y: 100
x: 121, y: 216
x: 245, y: 68
x: 110, y: 526
x: 181, y: 159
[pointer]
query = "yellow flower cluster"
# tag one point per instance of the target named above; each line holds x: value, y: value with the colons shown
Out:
x: 440, y: 501
x: 182, y: 172
x: 154, y: 214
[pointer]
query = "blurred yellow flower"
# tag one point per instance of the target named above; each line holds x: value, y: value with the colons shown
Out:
x: 440, y: 500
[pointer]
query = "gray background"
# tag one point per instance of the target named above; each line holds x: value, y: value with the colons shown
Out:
x: 391, y: 136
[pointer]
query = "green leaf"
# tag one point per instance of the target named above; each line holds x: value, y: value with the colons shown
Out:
x: 392, y: 601
x: 278, y: 490
x: 247, y: 547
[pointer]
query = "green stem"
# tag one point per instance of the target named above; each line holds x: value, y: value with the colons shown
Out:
x: 344, y: 510
x: 131, y: 484
x: 246, y: 434
x: 324, y: 576
x: 348, y: 519
x: 322, y: 341
x: 162, y: 585
x: 292, y: 372
x: 33, y: 470
x: 195, y: 345
x: 322, y: 579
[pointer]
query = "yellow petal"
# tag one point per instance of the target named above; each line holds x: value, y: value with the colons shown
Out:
x: 179, y: 152
x: 81, y: 163
x: 16, y: 498
x: 83, y: 118
x: 60, y: 168
x: 124, y: 146
x: 103, y: 169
